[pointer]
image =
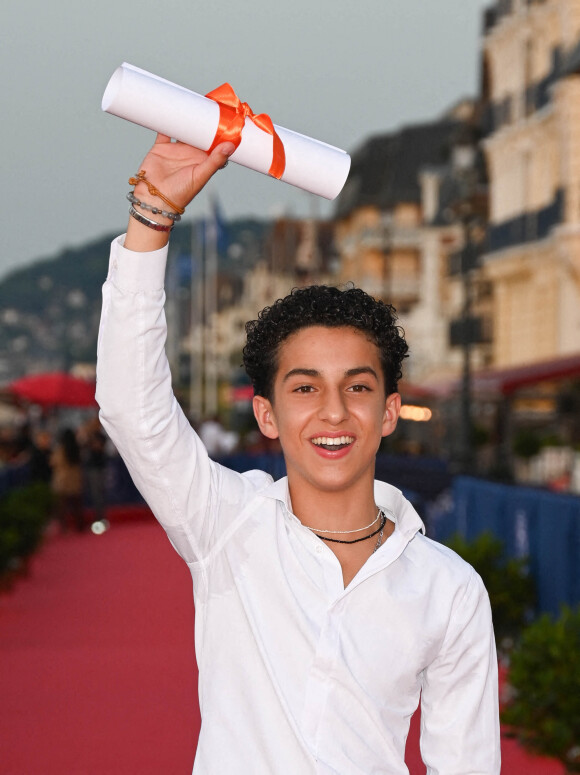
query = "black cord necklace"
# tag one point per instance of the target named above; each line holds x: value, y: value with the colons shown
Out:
x: 356, y: 540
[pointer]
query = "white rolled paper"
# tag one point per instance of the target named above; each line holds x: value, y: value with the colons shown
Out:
x: 162, y: 106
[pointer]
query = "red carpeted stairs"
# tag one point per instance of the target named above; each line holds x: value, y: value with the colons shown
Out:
x: 97, y: 667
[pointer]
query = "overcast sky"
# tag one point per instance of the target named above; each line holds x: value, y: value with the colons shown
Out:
x: 336, y: 71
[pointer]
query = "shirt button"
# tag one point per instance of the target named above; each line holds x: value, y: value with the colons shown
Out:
x: 319, y: 549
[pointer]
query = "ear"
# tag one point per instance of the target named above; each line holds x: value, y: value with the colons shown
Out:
x: 392, y: 412
x: 265, y: 417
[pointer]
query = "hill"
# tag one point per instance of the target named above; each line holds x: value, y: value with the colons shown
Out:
x: 49, y: 311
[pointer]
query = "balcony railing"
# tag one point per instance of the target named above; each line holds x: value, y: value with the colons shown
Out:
x: 502, y: 8
x: 538, y: 95
x: 489, y: 20
x: 493, y: 15
x: 495, y: 115
x: 498, y: 114
x: 528, y: 227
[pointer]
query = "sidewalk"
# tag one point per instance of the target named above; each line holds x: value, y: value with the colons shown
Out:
x: 97, y: 669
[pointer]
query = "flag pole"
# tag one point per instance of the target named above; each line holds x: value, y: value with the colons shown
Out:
x: 210, y: 362
x: 196, y: 326
x: 172, y: 312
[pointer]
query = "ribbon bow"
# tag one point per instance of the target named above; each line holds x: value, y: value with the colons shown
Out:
x: 233, y: 114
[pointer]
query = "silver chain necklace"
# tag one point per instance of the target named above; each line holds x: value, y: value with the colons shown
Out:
x: 380, y: 538
x: 378, y: 531
x: 347, y: 532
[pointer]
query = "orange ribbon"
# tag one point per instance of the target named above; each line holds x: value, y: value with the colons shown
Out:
x: 233, y: 113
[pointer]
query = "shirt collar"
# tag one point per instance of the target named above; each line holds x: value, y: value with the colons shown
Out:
x: 279, y: 491
x: 390, y: 498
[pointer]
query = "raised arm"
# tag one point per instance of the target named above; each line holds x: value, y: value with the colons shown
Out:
x: 138, y: 409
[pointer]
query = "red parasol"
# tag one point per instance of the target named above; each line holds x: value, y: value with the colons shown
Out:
x: 54, y: 389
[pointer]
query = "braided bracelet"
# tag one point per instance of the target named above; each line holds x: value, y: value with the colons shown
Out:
x: 155, y: 210
x: 148, y: 222
x: 140, y: 178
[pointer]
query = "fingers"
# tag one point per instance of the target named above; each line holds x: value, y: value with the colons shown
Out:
x: 225, y: 149
x: 217, y: 159
x: 162, y: 139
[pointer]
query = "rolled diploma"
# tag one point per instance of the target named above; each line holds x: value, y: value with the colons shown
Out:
x: 162, y: 106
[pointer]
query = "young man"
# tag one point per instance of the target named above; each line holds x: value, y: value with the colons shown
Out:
x: 323, y: 614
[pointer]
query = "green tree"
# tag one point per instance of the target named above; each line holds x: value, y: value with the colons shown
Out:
x: 24, y: 513
x: 544, y: 678
x: 511, y: 589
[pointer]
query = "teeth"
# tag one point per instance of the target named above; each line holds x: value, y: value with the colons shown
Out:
x: 328, y: 441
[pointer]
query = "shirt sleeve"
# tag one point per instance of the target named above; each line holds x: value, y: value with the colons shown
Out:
x: 187, y: 492
x: 460, y: 732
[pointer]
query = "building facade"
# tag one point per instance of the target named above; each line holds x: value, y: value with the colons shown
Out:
x: 398, y: 223
x: 531, y: 81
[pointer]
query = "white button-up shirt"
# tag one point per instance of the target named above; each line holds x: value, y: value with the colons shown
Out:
x: 297, y: 674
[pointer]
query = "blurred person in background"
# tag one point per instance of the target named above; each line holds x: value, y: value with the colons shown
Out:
x: 217, y: 440
x: 67, y: 481
x: 39, y: 456
x: 94, y: 460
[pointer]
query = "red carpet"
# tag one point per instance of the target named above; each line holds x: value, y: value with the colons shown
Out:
x: 97, y: 671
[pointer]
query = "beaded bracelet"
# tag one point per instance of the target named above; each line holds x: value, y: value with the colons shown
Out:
x: 148, y: 222
x: 140, y: 178
x: 155, y: 210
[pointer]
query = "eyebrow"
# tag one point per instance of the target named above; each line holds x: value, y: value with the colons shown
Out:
x: 315, y: 373
x: 302, y: 373
x: 361, y: 370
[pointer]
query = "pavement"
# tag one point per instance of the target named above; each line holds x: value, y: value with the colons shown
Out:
x: 97, y: 665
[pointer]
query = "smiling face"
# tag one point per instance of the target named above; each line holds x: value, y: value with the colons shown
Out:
x: 329, y: 409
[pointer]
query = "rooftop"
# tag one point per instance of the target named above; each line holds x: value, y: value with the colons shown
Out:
x: 385, y: 169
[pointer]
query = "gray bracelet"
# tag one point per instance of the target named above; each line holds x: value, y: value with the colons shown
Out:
x: 155, y: 210
x: 148, y: 222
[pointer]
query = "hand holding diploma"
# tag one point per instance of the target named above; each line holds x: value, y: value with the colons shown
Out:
x: 203, y: 121
x: 179, y: 171
x: 208, y: 129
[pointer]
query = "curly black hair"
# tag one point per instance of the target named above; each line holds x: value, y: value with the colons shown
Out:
x: 322, y: 305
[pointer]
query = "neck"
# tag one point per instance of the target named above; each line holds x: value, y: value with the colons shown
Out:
x: 331, y: 510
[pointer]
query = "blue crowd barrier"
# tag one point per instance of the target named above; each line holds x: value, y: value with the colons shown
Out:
x: 119, y: 487
x: 425, y: 476
x: 419, y: 479
x: 271, y: 463
x: 539, y: 525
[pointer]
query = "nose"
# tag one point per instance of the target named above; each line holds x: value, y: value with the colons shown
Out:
x: 333, y: 407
